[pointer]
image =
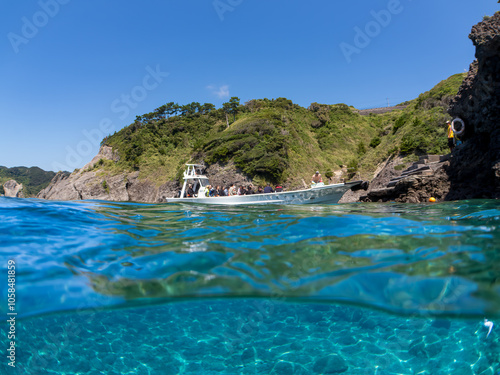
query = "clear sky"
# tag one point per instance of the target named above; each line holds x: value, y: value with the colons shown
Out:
x: 72, y: 71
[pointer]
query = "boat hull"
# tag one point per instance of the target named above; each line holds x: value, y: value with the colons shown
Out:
x: 327, y: 194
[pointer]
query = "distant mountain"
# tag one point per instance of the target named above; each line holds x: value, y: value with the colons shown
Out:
x: 33, y: 179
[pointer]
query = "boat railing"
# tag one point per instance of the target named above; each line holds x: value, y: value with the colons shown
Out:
x: 193, y: 170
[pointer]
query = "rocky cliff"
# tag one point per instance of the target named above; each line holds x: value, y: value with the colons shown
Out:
x: 13, y: 189
x: 91, y: 183
x: 473, y: 170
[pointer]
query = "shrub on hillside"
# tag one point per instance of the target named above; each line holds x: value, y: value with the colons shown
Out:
x: 375, y: 142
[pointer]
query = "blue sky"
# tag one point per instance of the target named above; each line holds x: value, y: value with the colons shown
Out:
x: 73, y: 71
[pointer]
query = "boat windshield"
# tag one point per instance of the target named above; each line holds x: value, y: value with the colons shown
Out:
x: 204, y: 181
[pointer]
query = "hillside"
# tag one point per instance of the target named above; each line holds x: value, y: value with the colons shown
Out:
x: 33, y: 179
x: 264, y: 140
x: 278, y: 141
x: 418, y: 129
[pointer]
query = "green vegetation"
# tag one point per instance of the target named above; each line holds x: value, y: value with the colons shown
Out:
x: 441, y: 94
x: 276, y: 140
x: 105, y: 186
x: 375, y: 142
x: 231, y: 107
x: 33, y: 179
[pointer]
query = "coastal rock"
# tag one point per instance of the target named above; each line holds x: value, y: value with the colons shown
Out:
x: 60, y: 188
x: 474, y: 168
x: 105, y: 153
x: 91, y: 186
x: 90, y: 183
x: 384, y: 173
x: 13, y: 189
x: 417, y: 189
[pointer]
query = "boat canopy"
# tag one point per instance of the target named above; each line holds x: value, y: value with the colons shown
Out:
x: 194, y: 175
x: 193, y: 170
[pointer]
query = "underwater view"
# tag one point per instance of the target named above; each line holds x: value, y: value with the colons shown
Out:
x: 94, y: 287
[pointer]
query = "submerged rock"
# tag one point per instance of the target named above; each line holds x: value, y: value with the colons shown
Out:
x: 332, y: 364
x: 283, y: 368
x: 441, y: 323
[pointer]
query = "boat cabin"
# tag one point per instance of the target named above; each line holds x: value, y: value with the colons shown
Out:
x: 194, y: 175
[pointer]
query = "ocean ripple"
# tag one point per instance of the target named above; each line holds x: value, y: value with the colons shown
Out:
x: 439, y: 259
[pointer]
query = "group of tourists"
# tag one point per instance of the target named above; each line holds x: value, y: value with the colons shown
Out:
x: 228, y: 191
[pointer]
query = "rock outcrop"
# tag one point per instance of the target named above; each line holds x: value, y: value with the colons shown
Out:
x: 90, y: 183
x: 401, y: 181
x: 13, y: 189
x: 473, y: 170
x: 422, y: 180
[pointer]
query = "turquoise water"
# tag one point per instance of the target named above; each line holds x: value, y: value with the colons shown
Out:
x: 124, y: 288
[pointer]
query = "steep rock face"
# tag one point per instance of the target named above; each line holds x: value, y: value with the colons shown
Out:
x: 225, y: 175
x: 474, y: 170
x: 60, y: 188
x: 13, y: 189
x: 89, y: 184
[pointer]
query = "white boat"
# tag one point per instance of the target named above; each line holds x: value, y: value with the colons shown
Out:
x: 320, y: 193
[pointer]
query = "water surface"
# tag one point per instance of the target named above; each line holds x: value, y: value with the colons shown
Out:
x: 106, y: 287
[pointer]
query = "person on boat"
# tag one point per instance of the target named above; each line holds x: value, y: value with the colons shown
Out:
x: 226, y: 191
x: 316, y: 178
x: 268, y: 189
x: 242, y: 190
x: 249, y: 190
x: 220, y: 191
x: 190, y: 191
x: 278, y: 189
x: 451, y: 138
x: 232, y: 190
x: 259, y: 190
